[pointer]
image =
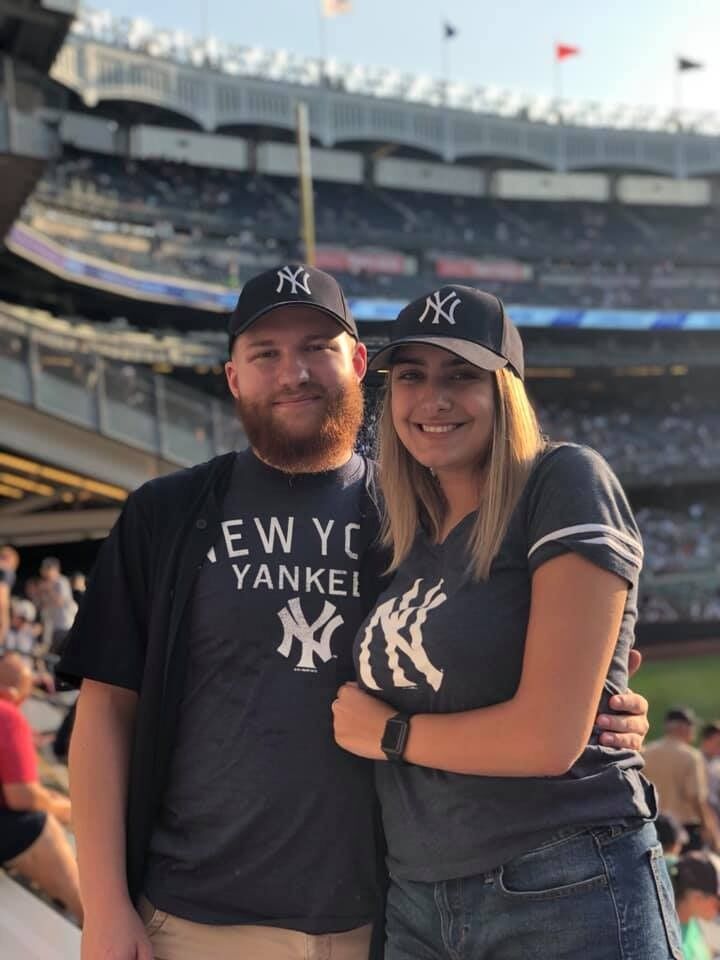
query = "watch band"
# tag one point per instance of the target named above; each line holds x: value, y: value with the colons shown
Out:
x: 395, y: 737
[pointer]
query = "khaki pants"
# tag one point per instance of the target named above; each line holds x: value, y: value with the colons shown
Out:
x: 173, y: 938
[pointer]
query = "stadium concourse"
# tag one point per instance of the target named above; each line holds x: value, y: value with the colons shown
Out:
x: 154, y: 182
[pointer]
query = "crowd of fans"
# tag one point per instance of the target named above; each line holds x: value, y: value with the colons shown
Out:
x: 33, y: 817
x: 687, y: 779
x: 221, y: 226
x: 639, y: 441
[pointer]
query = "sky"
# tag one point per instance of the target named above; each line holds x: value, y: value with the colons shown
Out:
x: 628, y: 47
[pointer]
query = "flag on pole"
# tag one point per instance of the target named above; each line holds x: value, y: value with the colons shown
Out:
x: 564, y: 50
x: 334, y: 8
x: 684, y: 64
x: 449, y: 31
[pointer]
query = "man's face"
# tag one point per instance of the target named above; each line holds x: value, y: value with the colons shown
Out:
x: 295, y: 375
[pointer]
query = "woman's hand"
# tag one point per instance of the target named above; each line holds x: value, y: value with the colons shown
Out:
x: 359, y: 721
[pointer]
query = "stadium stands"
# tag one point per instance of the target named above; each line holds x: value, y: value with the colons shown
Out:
x: 220, y: 226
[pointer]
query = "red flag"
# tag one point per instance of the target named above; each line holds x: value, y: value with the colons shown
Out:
x: 563, y: 50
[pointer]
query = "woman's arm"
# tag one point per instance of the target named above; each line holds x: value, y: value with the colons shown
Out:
x: 575, y: 615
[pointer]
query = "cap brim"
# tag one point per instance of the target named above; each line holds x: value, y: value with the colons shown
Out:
x: 466, y: 349
x: 342, y: 321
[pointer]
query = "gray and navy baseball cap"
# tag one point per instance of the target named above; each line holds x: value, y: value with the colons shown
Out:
x: 470, y: 323
x: 288, y: 285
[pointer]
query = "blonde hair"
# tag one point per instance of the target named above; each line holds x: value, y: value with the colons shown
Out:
x: 413, y: 497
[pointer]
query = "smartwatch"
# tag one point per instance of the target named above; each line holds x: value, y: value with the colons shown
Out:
x: 395, y: 737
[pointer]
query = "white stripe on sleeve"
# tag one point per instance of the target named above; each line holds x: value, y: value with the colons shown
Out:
x: 622, y: 543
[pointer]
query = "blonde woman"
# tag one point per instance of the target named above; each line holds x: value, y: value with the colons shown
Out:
x: 513, y: 603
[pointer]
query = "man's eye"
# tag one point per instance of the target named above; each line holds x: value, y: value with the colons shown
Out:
x: 407, y: 375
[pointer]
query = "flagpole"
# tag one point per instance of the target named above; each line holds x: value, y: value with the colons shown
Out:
x: 557, y: 80
x: 445, y: 64
x: 322, y: 29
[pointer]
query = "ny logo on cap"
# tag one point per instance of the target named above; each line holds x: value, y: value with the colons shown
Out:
x: 296, y: 284
x: 434, y: 303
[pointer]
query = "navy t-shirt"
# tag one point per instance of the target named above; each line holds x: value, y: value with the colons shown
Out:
x: 265, y: 820
x: 440, y: 642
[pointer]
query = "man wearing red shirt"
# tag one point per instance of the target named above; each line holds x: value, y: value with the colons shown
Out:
x: 32, y: 840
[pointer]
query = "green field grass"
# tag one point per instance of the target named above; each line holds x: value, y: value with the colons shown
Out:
x: 691, y: 681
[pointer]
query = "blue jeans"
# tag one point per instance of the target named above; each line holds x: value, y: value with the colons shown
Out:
x: 600, y: 894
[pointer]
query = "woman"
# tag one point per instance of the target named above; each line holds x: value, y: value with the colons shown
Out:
x: 514, y: 598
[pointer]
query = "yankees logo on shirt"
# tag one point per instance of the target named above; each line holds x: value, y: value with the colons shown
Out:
x: 296, y: 627
x: 400, y: 621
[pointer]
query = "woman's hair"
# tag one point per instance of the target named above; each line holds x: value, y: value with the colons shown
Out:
x: 412, y: 496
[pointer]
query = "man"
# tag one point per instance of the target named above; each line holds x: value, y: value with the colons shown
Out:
x: 32, y: 840
x: 678, y: 771
x: 710, y: 749
x: 215, y: 632
x: 9, y: 562
x: 57, y: 606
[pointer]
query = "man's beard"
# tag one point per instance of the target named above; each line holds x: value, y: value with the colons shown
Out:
x: 322, y: 447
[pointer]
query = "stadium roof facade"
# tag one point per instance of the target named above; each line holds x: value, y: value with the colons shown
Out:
x: 216, y: 88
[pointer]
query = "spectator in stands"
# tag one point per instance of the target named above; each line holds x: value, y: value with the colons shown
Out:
x: 672, y: 835
x: 696, y: 879
x: 678, y: 771
x: 57, y: 606
x: 9, y: 562
x: 32, y: 840
x: 78, y: 584
x: 22, y: 636
x: 710, y: 749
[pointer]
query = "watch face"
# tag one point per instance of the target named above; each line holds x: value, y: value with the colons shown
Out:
x: 394, y: 737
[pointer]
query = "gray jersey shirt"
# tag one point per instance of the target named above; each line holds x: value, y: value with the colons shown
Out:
x: 438, y: 642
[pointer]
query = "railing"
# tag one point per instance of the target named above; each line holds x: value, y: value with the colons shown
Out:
x: 120, y: 401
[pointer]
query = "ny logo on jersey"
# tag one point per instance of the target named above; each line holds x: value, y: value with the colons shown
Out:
x: 296, y: 627
x: 408, y: 612
x: 435, y: 304
x: 293, y: 278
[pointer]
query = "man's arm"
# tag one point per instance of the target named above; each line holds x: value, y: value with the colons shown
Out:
x: 33, y: 796
x: 100, y: 758
x: 4, y: 610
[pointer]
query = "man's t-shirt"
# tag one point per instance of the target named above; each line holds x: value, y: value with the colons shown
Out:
x: 60, y: 609
x: 678, y: 772
x: 265, y: 819
x: 439, y: 642
x: 18, y: 762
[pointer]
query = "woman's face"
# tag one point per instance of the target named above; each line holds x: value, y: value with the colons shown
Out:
x: 443, y: 408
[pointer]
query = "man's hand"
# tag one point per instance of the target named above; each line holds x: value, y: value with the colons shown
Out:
x: 59, y: 805
x: 626, y: 729
x: 117, y: 934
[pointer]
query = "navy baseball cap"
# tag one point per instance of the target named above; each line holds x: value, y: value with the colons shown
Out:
x: 470, y: 323
x: 288, y: 285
